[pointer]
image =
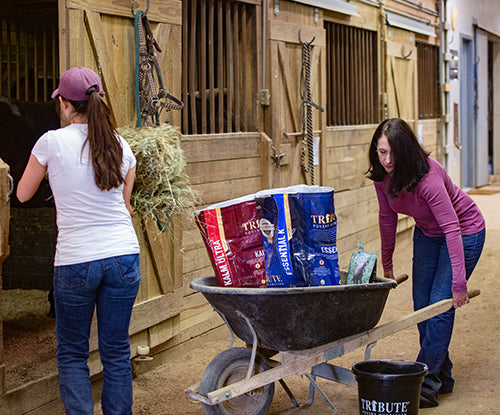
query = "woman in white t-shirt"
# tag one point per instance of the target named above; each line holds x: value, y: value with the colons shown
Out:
x: 91, y: 173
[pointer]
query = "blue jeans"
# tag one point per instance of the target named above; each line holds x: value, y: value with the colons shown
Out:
x: 110, y: 286
x: 432, y: 282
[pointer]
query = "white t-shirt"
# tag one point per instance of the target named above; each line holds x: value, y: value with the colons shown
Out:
x: 92, y: 224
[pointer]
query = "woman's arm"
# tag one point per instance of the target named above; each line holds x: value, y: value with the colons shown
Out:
x: 127, y: 189
x: 439, y: 201
x: 31, y: 179
x: 388, y: 222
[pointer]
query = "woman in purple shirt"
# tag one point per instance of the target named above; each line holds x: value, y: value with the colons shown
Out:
x: 447, y: 242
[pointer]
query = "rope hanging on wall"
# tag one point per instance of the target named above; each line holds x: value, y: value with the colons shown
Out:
x: 150, y: 100
x: 307, y: 104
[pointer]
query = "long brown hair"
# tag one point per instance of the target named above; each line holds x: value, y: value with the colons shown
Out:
x: 104, y: 146
x: 409, y: 158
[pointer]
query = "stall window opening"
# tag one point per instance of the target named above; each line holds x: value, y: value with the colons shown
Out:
x: 352, y: 75
x: 428, y: 81
x: 219, y: 80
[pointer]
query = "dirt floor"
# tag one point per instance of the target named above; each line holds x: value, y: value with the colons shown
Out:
x: 29, y: 336
x: 475, y: 348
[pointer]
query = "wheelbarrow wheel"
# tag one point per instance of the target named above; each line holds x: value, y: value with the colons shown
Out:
x: 229, y: 367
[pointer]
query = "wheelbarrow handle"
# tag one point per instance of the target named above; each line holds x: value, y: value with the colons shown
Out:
x: 474, y: 292
x: 471, y: 293
x: 401, y: 278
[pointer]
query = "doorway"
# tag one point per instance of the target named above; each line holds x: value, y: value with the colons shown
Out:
x: 467, y: 100
x: 494, y: 106
x: 29, y: 67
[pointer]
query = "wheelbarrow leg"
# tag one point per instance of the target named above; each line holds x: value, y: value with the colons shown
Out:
x: 227, y: 325
x: 310, y: 398
x: 289, y: 392
x: 368, y: 350
x: 313, y: 386
x: 254, y: 344
x: 251, y: 366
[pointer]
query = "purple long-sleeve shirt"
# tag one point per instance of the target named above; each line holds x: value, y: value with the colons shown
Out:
x: 439, y: 208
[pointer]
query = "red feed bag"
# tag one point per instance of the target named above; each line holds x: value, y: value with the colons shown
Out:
x: 233, y: 240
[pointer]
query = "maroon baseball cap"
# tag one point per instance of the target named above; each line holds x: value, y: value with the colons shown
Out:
x: 74, y: 84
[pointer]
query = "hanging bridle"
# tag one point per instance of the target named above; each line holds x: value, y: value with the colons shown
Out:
x: 150, y: 101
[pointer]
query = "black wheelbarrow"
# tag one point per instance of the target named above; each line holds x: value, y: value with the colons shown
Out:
x: 307, y: 326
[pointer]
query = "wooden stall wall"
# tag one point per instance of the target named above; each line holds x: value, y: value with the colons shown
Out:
x: 287, y: 29
x: 356, y: 204
x: 346, y: 149
x: 401, y: 67
x: 431, y: 138
x: 100, y: 35
x: 400, y: 60
x: 401, y: 77
x: 220, y: 167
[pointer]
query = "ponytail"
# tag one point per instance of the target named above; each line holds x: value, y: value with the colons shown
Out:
x: 105, y: 149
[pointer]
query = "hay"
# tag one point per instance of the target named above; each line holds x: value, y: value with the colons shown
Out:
x: 161, y: 187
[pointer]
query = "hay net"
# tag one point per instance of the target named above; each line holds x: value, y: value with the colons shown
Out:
x: 161, y: 188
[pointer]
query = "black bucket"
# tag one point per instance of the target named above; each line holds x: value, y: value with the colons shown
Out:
x: 389, y: 386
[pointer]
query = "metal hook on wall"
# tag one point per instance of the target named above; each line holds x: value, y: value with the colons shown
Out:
x: 306, y: 43
x: 403, y: 52
x: 132, y: 7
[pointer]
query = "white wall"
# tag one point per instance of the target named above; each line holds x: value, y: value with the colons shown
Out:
x: 485, y: 13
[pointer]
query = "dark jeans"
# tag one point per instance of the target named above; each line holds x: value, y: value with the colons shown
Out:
x: 432, y: 282
x: 110, y: 286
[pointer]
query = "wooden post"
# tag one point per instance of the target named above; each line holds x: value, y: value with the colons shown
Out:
x: 5, y: 188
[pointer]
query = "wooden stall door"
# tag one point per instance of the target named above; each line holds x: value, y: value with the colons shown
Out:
x: 286, y: 103
x: 5, y: 189
x: 402, y: 81
x: 100, y: 35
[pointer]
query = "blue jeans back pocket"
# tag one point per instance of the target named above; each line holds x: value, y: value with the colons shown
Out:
x: 129, y: 266
x: 72, y: 276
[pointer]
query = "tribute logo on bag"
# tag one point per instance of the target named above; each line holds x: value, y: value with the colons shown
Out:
x: 299, y: 231
x: 234, y: 244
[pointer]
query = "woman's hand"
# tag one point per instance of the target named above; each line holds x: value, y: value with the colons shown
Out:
x: 389, y: 274
x: 127, y: 189
x: 460, y: 299
x: 130, y: 209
